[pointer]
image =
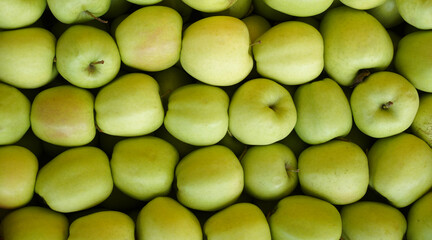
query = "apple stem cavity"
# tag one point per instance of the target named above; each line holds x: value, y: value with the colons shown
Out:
x: 94, y: 17
x: 361, y: 76
x: 91, y: 67
x: 387, y: 105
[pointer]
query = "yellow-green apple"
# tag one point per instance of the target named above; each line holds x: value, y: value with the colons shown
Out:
x: 353, y: 41
x: 372, y: 220
x: 182, y: 8
x: 261, y: 8
x: 35, y: 222
x: 270, y: 171
x: 420, y: 218
x: 363, y: 5
x: 422, y: 124
x: 77, y: 11
x: 117, y: 8
x: 210, y: 5
x: 261, y: 112
x: 27, y: 57
x: 387, y: 14
x: 300, y: 8
x: 63, y: 115
x: 15, y: 112
x: 143, y: 167
x: 384, y: 104
x: 303, y: 217
x: 197, y: 114
x: 257, y: 25
x: 216, y: 50
x: 336, y: 171
x: 416, y: 13
x: 240, y: 9
x: 18, y: 169
x: 165, y: 218
x: 209, y: 178
x: 412, y: 59
x: 144, y: 2
x: 106, y: 224
x: 323, y: 111
x: 149, y: 39
x: 291, y: 53
x: 129, y: 106
x: 20, y: 13
x: 240, y: 221
x: 76, y: 179
x: 400, y: 168
x: 87, y: 57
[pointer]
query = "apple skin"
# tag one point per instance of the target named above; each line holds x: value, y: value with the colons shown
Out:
x: 372, y: 220
x: 165, y: 218
x: 399, y: 168
x: 263, y: 9
x: 149, y: 39
x: 63, y: 116
x: 323, y: 111
x: 34, y: 222
x: 143, y: 167
x: 353, y: 40
x: 261, y: 112
x: 107, y: 225
x: 416, y: 13
x: 412, y: 59
x: 257, y: 25
x: 209, y: 178
x: 270, y: 171
x: 384, y: 104
x: 75, y: 11
x: 300, y: 9
x: 363, y: 5
x: 144, y: 2
x: 422, y: 124
x: 420, y: 218
x: 18, y: 169
x: 197, y: 114
x: 240, y: 221
x: 387, y: 14
x: 276, y: 59
x: 76, y: 179
x: 20, y: 13
x: 27, y: 57
x: 206, y: 56
x: 300, y: 217
x: 210, y: 5
x: 87, y: 57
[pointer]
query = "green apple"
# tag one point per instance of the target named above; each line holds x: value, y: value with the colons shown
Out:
x: 107, y: 225
x: 35, y: 223
x: 422, y: 124
x: 240, y: 9
x: 412, y: 59
x: 197, y: 114
x: 63, y: 115
x: 240, y: 221
x: 77, y: 11
x: 149, y: 39
x: 261, y: 112
x: 209, y: 178
x: 270, y: 171
x: 416, y: 13
x: 210, y: 5
x: 129, y: 106
x: 27, y: 57
x: 323, y: 111
x: 291, y: 53
x: 300, y: 217
x: 384, y: 104
x: 182, y: 8
x: 18, y: 169
x: 257, y: 25
x: 144, y: 2
x: 20, y: 13
x: 353, y: 41
x: 300, y: 8
x: 87, y: 57
x: 261, y: 8
x: 336, y: 171
x: 143, y: 167
x: 216, y: 50
x: 15, y: 112
x: 363, y: 5
x: 387, y: 14
x: 420, y: 218
x: 372, y: 220
x: 165, y: 218
x: 77, y: 179
x: 400, y: 168
x: 117, y: 8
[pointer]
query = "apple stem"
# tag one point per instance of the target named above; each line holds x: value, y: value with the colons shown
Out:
x: 55, y: 59
x: 255, y: 43
x: 91, y: 67
x: 361, y: 76
x: 165, y: 94
x: 289, y: 169
x: 96, y: 18
x: 387, y: 105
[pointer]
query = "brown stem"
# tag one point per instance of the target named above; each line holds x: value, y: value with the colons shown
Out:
x: 387, y: 105
x: 91, y: 67
x: 96, y: 18
x: 255, y: 43
x: 361, y: 76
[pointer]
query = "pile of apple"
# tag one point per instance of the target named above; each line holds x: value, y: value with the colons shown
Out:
x: 217, y: 119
